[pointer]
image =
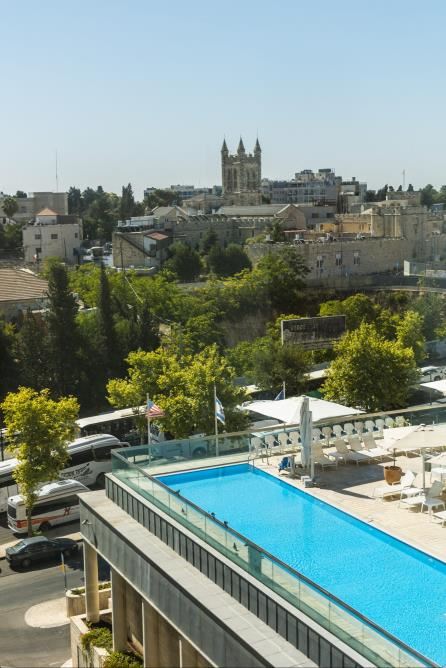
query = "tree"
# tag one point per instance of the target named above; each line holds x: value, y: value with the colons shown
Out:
x: 400, y: 189
x: 370, y: 372
x: 127, y: 204
x: 228, y: 261
x: 75, y: 202
x: 32, y: 352
x: 428, y: 194
x: 410, y: 188
x: 409, y: 333
x: 8, y: 369
x: 280, y: 276
x: 107, y: 347
x: 276, y: 232
x: 183, y: 387
x: 63, y: 337
x: 161, y: 198
x: 39, y: 429
x: 273, y: 364
x: 357, y: 309
x: 184, y: 262
x: 210, y: 240
x: 10, y: 206
x: 21, y: 194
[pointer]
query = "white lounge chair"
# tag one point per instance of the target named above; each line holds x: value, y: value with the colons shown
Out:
x: 345, y: 454
x: 357, y: 446
x: 283, y: 440
x: 441, y: 516
x: 320, y: 458
x: 272, y: 444
x: 430, y: 499
x: 404, y: 488
x: 372, y: 447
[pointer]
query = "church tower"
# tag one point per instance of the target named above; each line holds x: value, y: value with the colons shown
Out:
x: 241, y: 175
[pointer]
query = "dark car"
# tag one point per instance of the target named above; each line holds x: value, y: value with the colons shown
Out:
x: 39, y: 548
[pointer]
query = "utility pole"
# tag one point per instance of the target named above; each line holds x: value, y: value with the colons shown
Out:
x: 404, y: 179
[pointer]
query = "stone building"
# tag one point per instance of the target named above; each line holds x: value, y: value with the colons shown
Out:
x: 241, y: 175
x: 28, y: 207
x: 52, y: 235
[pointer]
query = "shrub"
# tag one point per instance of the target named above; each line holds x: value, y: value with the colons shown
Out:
x: 77, y: 591
x: 99, y: 637
x: 122, y: 660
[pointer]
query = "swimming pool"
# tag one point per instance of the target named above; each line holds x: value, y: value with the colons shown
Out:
x: 401, y: 589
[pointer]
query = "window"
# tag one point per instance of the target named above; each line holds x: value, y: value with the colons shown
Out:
x: 6, y: 481
x: 55, y: 504
x: 37, y: 236
x: 319, y: 262
x: 54, y: 236
x: 38, y: 250
x: 80, y: 457
x: 356, y: 258
x: 339, y: 259
x: 76, y: 235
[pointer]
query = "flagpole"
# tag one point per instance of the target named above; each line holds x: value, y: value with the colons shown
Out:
x: 149, y: 434
x: 284, y: 395
x: 216, y: 422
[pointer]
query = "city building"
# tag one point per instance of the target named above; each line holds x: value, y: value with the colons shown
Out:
x: 140, y: 249
x: 20, y: 291
x: 28, y: 207
x: 241, y: 175
x: 52, y: 235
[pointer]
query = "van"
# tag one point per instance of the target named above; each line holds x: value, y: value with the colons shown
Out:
x: 57, y: 503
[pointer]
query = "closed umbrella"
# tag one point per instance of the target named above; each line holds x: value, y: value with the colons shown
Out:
x: 306, y: 434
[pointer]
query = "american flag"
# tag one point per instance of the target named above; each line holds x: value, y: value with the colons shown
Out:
x: 153, y: 411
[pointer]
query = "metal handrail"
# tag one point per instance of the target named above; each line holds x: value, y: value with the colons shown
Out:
x: 294, y: 572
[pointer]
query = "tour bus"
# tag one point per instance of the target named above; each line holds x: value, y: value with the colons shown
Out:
x: 89, y: 461
x: 57, y: 503
x: 122, y: 423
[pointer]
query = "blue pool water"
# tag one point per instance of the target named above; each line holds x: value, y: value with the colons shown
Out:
x: 398, y: 587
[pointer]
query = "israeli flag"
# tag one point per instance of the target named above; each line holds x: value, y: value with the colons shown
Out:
x: 219, y: 410
x: 281, y: 395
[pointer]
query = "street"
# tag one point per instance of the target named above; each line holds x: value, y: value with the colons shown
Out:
x: 22, y: 646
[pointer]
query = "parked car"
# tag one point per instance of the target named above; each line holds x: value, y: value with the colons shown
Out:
x: 430, y: 373
x: 39, y: 548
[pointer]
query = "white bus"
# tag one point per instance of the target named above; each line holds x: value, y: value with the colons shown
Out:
x: 89, y: 461
x: 57, y: 503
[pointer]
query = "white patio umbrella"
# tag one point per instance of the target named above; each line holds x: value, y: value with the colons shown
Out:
x: 420, y: 437
x: 306, y: 435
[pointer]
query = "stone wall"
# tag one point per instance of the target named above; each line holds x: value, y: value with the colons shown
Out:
x: 338, y: 260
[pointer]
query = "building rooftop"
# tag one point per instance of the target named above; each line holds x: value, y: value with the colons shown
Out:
x: 20, y: 284
x: 47, y: 212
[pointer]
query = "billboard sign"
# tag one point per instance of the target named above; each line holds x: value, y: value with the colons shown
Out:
x: 313, y: 333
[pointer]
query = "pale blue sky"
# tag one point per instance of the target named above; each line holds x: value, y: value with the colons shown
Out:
x: 144, y: 92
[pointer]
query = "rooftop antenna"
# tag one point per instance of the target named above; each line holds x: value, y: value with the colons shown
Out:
x: 57, y: 176
x: 404, y: 179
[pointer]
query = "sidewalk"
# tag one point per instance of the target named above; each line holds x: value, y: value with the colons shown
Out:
x: 74, y: 536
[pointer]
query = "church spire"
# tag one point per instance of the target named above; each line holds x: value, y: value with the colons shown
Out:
x: 257, y: 148
x: 224, y: 148
x: 241, y: 148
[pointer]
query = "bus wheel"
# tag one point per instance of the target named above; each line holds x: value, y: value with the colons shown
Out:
x: 45, y: 526
x: 100, y: 480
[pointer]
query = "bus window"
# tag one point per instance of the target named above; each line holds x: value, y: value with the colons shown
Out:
x: 82, y: 457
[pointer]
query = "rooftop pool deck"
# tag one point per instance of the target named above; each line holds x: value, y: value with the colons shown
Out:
x: 406, y: 589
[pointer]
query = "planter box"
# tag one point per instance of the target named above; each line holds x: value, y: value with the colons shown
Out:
x: 80, y: 658
x: 76, y: 602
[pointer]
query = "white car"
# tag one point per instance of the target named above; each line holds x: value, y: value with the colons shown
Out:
x: 430, y: 373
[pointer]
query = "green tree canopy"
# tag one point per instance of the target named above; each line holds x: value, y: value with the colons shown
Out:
x: 10, y: 206
x: 228, y: 261
x: 183, y: 387
x: 409, y: 333
x: 370, y: 372
x: 39, y: 429
x: 280, y: 276
x: 63, y: 336
x: 357, y: 309
x: 184, y: 262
